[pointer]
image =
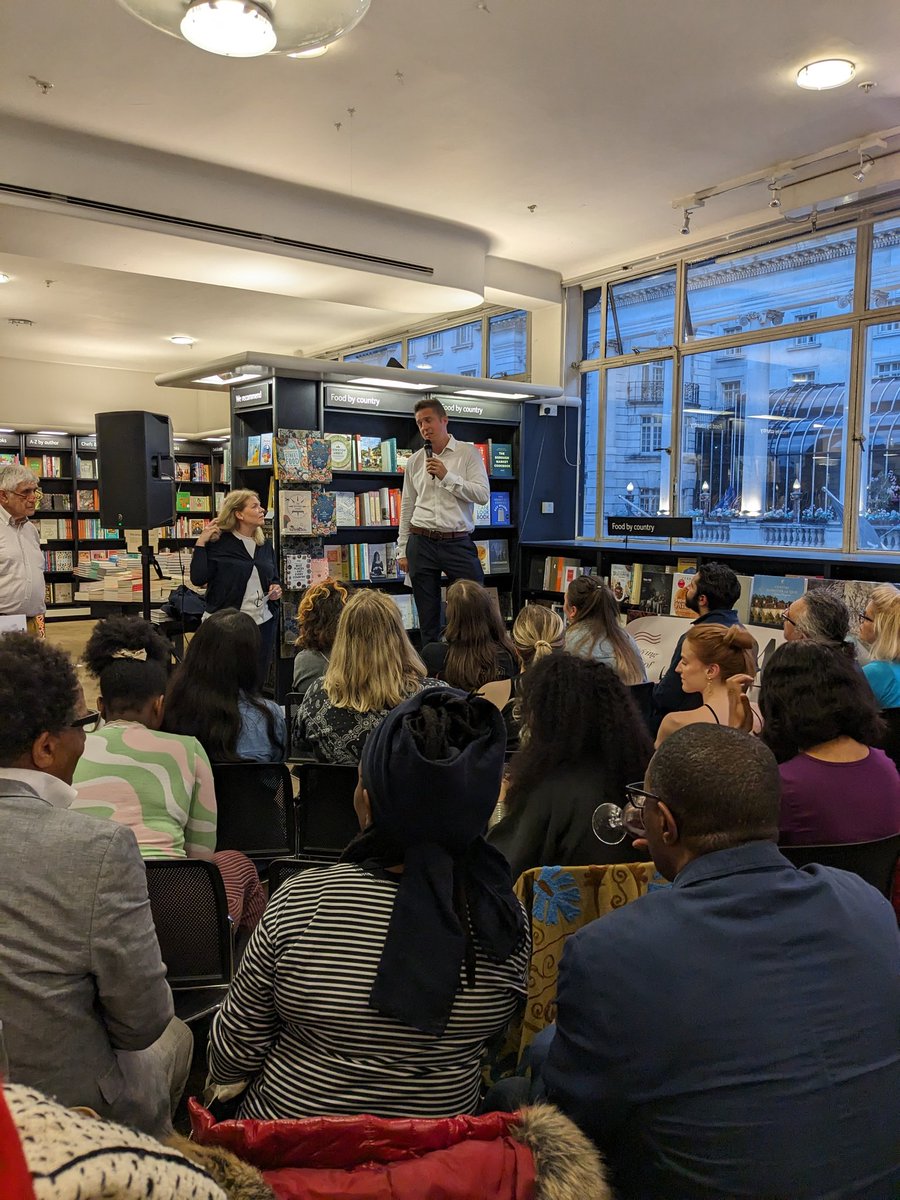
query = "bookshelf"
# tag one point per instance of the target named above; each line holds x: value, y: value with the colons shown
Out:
x: 194, y: 493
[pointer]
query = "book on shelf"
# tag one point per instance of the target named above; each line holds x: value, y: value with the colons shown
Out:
x: 295, y: 512
x: 498, y: 555
x: 218, y: 501
x: 403, y: 457
x: 500, y: 508
x: 8, y: 460
x: 319, y: 453
x: 182, y: 472
x: 482, y: 514
x: 364, y: 561
x: 484, y: 450
x: 58, y: 560
x: 323, y: 511
x: 621, y: 582
x: 302, y: 456
x: 85, y: 468
x: 389, y: 454
x: 484, y: 556
x: 301, y: 570
x: 87, y: 499
x: 200, y: 472
x: 685, y: 569
x: 341, y: 446
x: 182, y: 502
x: 55, y: 529
x: 335, y: 562
x: 501, y: 460
x: 771, y: 595
x: 345, y: 509
x: 265, y: 449
x: 254, y: 445
x: 199, y: 504
x: 368, y: 452
x: 654, y: 596
x: 91, y: 527
x: 555, y: 572
x: 407, y: 607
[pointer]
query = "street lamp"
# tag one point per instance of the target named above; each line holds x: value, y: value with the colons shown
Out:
x: 704, y: 499
x: 796, y: 496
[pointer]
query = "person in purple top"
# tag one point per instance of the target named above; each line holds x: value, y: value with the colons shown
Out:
x: 821, y: 721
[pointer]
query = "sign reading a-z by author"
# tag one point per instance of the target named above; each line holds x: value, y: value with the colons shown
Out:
x: 659, y: 527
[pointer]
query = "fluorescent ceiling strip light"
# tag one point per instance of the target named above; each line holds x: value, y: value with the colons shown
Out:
x: 390, y: 384
x: 227, y: 380
x: 492, y: 395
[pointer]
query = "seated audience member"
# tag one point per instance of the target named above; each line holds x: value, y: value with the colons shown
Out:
x: 213, y: 695
x: 374, y: 985
x: 372, y: 668
x: 317, y: 622
x: 822, y: 725
x: 736, y: 1035
x: 819, y: 616
x: 476, y: 649
x: 710, y: 656
x: 537, y: 631
x: 879, y: 628
x: 585, y: 741
x: 712, y: 593
x: 86, y: 1010
x: 594, y: 631
x: 159, y: 784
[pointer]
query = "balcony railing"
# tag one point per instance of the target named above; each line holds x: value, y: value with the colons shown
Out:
x: 649, y: 392
x: 776, y: 533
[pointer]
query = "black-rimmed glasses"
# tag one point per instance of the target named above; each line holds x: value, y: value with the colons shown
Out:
x: 29, y: 492
x: 90, y: 722
x: 790, y: 620
x: 612, y: 823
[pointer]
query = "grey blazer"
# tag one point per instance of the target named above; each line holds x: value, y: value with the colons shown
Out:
x: 80, y: 970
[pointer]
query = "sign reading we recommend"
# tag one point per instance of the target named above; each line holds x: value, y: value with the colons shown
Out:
x: 659, y: 527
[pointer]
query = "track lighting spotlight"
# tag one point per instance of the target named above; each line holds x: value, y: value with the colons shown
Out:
x: 865, y: 166
x: 686, y: 220
x: 774, y: 194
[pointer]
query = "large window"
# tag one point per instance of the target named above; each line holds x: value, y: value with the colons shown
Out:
x: 454, y: 351
x: 377, y: 356
x: 508, y: 344
x: 774, y: 420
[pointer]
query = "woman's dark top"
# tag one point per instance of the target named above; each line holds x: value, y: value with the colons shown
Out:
x: 224, y: 567
x: 550, y: 825
x: 434, y: 656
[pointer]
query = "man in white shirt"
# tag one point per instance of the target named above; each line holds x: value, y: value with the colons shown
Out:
x: 442, y: 484
x: 21, y: 557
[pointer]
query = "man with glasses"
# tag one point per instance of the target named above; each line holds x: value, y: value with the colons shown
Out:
x: 819, y: 616
x: 21, y: 557
x: 737, y: 1034
x: 86, y: 1010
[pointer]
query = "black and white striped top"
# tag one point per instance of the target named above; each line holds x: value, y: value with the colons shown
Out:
x: 298, y: 1023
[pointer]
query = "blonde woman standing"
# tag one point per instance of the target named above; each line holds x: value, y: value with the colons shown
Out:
x: 236, y: 564
x: 372, y: 668
x: 594, y: 631
x: 879, y: 629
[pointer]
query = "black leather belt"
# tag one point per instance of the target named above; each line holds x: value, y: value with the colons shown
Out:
x: 438, y: 535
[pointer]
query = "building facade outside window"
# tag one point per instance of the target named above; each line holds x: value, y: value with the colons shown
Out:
x: 766, y: 417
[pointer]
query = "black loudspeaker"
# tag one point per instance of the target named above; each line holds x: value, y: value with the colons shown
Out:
x: 136, y: 469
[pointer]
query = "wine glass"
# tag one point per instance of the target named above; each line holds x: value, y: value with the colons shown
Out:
x: 612, y: 823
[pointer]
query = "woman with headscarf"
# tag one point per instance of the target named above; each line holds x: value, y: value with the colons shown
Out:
x: 374, y: 985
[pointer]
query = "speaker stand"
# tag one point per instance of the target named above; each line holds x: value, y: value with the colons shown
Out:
x: 147, y: 558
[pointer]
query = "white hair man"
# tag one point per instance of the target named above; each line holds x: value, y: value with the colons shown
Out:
x: 21, y: 558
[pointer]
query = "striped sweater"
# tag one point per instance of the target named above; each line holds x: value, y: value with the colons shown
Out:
x: 297, y: 1021
x: 158, y: 784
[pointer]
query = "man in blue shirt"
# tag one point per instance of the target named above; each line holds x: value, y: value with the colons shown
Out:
x: 738, y: 1034
x: 712, y: 593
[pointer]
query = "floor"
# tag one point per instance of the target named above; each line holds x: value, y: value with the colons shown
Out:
x: 72, y: 637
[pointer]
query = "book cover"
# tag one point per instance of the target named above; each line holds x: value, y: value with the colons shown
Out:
x: 377, y: 560
x: 199, y: 504
x: 341, y: 451
x: 485, y: 451
x: 392, y: 562
x: 62, y: 593
x: 318, y: 453
x: 536, y: 575
x: 291, y: 455
x: 484, y: 556
x: 62, y: 503
x: 389, y: 454
x: 182, y: 501
x: 45, y: 504
x: 678, y: 608
x: 200, y: 472
x: 368, y: 453
x: 500, y: 509
x: 335, y: 561
x: 403, y: 457
x: 254, y: 445
x: 482, y: 514
x: 62, y: 560
x: 183, y: 472
x: 318, y: 569
x: 344, y: 509
x: 771, y: 595
x: 295, y: 512
x: 87, y: 499
x: 501, y: 460
x: 322, y: 511
x: 407, y: 608
x: 265, y: 449
x: 655, y: 595
x: 498, y: 554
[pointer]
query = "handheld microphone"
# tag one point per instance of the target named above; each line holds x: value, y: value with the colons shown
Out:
x: 428, y: 450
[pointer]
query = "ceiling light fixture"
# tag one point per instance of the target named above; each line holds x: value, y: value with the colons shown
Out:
x: 390, y: 383
x: 866, y: 163
x: 7, y: 431
x: 4, y: 278
x: 492, y: 395
x: 686, y: 220
x: 52, y: 433
x: 182, y: 339
x: 250, y: 28
x: 775, y: 194
x: 826, y: 73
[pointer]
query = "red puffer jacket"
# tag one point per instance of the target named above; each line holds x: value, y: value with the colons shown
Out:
x: 498, y: 1156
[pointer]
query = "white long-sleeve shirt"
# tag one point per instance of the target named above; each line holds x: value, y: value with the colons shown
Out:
x: 21, y: 568
x: 445, y: 504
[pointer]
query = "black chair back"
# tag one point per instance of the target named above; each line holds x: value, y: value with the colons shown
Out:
x: 190, y: 912
x: 874, y: 862
x: 255, y: 804
x: 326, y: 819
x: 890, y: 743
x: 283, y: 869
x: 292, y: 702
x: 642, y: 695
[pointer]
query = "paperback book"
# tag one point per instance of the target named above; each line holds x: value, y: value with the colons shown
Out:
x: 265, y: 449
x: 295, y: 512
x: 771, y: 595
x: 254, y: 443
x: 341, y: 445
x: 500, y: 508
x: 368, y: 453
x: 323, y: 511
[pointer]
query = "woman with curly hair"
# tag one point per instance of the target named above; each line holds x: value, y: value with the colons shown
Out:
x: 879, y: 629
x: 594, y: 631
x: 821, y: 722
x: 585, y: 741
x: 372, y: 668
x: 710, y: 656
x: 159, y: 784
x: 317, y: 622
x: 476, y: 648
x: 213, y: 695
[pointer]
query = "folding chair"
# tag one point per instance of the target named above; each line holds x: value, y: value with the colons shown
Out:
x: 256, y: 810
x: 874, y: 862
x: 190, y: 912
x: 326, y: 819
